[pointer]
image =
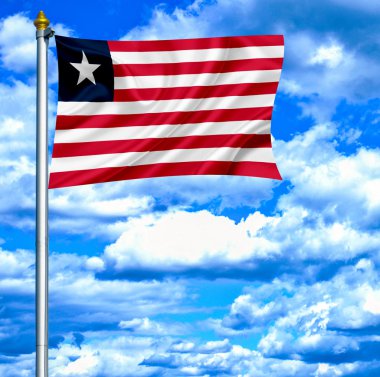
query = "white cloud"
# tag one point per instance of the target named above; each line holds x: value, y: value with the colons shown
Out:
x: 183, y: 192
x: 95, y: 264
x: 216, y: 346
x: 187, y: 239
x: 106, y: 355
x: 13, y: 264
x: 326, y: 181
x: 180, y: 23
x: 372, y: 299
x: 21, y: 366
x: 331, y: 56
x: 17, y: 149
x: 17, y: 128
x: 239, y: 361
x: 94, y: 209
x: 321, y: 72
x: 311, y: 322
x: 95, y: 300
x: 74, y: 288
x: 178, y: 242
x: 302, y: 321
x: 325, y: 216
x: 103, y: 356
x: 196, y: 20
x: 11, y: 126
x: 146, y: 326
x: 18, y: 52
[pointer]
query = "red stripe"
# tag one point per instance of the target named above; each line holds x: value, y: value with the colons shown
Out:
x: 66, y: 122
x: 161, y: 144
x: 128, y: 95
x: 198, y: 43
x: 84, y: 177
x: 164, y: 69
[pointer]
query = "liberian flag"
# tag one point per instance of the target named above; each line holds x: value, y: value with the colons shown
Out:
x: 145, y: 109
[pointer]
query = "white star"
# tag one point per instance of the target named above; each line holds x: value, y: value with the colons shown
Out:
x: 85, y: 69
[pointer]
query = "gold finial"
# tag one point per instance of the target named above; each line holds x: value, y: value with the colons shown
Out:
x: 41, y: 22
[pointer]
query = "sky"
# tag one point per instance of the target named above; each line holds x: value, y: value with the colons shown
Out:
x: 205, y: 276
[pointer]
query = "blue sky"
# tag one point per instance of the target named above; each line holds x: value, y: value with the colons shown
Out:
x: 205, y: 276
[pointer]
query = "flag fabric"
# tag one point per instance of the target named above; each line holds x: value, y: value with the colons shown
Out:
x: 141, y: 109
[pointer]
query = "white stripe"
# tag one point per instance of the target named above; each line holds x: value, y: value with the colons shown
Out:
x: 83, y: 135
x: 211, y: 54
x: 172, y: 105
x: 199, y: 79
x: 146, y: 158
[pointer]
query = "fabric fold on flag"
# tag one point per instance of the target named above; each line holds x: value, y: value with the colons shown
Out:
x: 143, y: 109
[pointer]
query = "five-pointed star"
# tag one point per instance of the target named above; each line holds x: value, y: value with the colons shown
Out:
x: 85, y: 69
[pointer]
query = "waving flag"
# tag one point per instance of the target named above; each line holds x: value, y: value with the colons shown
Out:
x: 145, y: 109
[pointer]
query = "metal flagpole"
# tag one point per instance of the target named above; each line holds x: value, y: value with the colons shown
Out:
x: 43, y: 34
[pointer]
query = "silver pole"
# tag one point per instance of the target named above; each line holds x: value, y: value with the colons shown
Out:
x: 42, y: 35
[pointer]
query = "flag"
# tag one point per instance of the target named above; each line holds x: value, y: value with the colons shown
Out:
x: 141, y: 109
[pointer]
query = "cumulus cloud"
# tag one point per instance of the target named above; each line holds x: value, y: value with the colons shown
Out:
x: 103, y: 209
x: 16, y: 151
x: 18, y: 45
x: 103, y: 355
x: 14, y: 264
x: 74, y: 288
x: 307, y: 322
x: 178, y: 242
x: 184, y: 240
x: 331, y: 55
x: 328, y: 320
x: 18, y: 53
x: 326, y: 216
x: 239, y: 361
x: 17, y: 128
x: 109, y: 354
x: 321, y: 72
x: 93, y: 300
x: 146, y: 326
x: 94, y: 210
x: 326, y: 181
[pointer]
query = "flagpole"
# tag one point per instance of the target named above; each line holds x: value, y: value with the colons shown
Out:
x: 43, y: 33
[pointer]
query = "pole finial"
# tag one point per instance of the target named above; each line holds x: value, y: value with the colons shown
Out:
x: 41, y: 22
